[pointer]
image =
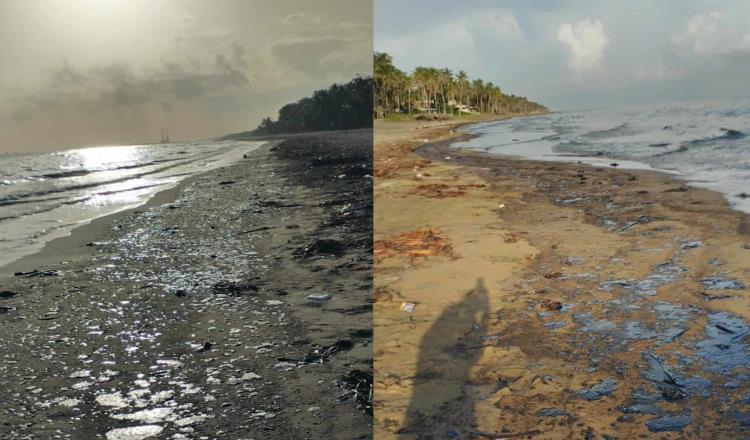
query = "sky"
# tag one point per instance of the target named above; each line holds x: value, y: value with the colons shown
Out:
x: 578, y: 54
x: 112, y: 72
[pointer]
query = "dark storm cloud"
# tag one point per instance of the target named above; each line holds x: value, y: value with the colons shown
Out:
x: 307, y: 55
x: 118, y: 85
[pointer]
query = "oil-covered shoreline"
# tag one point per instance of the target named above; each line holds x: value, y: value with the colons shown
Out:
x: 529, y: 299
x: 190, y: 316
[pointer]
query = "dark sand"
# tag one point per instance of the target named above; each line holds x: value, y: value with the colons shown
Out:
x: 187, y: 316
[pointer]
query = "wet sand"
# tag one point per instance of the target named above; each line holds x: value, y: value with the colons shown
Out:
x: 552, y: 300
x: 187, y: 317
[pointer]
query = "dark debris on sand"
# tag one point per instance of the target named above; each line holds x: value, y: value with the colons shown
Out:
x: 190, y: 318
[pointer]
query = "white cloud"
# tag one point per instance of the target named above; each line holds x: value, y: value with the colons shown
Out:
x: 585, y: 41
x: 714, y: 33
x: 502, y: 24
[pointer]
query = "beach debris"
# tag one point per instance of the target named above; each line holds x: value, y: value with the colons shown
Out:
x: 590, y: 325
x: 641, y: 408
x: 717, y: 283
x: 227, y: 182
x: 712, y: 296
x: 662, y: 274
x: 233, y: 288
x: 667, y: 383
x: 407, y: 307
x: 691, y: 245
x: 250, y: 376
x: 596, y: 392
x: 555, y: 325
x: 250, y: 231
x: 318, y: 297
x: 724, y: 348
x: 571, y: 261
x: 669, y: 423
x: 554, y: 275
x: 37, y: 273
x: 6, y: 294
x: 206, y: 346
x: 322, y: 247
x: 97, y: 243
x: 134, y: 432
x: 419, y: 243
x: 322, y: 354
x: 745, y: 246
x: 508, y: 435
x: 552, y: 412
x: 571, y: 201
x: 274, y: 302
x: 52, y: 314
x: 442, y: 191
x: 614, y: 164
x: 641, y: 219
x: 6, y: 309
x: 358, y: 384
x: 549, y: 304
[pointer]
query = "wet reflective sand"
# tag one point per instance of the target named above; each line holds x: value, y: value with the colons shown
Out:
x: 188, y: 317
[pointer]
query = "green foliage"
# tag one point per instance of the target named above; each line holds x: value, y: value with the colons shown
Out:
x: 340, y: 107
x: 431, y: 90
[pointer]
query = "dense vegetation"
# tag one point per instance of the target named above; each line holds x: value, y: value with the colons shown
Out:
x: 431, y: 90
x: 340, y: 107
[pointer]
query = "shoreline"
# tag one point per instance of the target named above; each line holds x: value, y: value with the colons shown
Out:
x: 191, y: 318
x: 68, y: 246
x: 605, y: 162
x: 548, y: 295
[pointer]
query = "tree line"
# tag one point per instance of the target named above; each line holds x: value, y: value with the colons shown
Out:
x: 340, y: 107
x: 432, y: 90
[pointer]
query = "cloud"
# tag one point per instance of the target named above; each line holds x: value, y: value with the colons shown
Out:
x: 107, y: 87
x: 714, y: 33
x: 502, y: 24
x: 301, y: 18
x: 585, y: 42
x: 315, y: 52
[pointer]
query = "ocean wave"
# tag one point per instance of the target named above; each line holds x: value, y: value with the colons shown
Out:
x: 19, y: 198
x: 618, y: 130
x: 80, y: 173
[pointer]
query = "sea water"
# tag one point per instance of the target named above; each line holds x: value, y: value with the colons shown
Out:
x: 704, y: 143
x: 44, y: 196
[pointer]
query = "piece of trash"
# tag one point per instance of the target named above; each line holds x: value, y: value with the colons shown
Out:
x: 501, y: 206
x: 318, y: 297
x: 250, y: 376
x: 407, y: 307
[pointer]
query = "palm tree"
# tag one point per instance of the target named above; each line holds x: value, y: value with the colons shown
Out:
x: 436, y: 88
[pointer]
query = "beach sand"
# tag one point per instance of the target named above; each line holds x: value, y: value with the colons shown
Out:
x: 188, y: 316
x: 552, y: 300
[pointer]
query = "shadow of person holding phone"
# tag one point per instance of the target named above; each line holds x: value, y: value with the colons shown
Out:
x: 441, y: 405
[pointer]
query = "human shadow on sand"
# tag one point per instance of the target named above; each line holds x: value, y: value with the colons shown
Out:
x: 441, y: 405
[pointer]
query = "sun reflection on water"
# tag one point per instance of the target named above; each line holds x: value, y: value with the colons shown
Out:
x: 99, y: 158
